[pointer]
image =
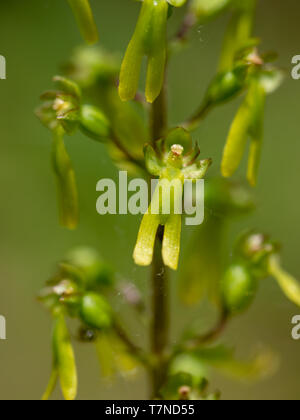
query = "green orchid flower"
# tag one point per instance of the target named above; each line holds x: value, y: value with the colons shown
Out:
x: 174, y: 162
x: 249, y: 120
x: 263, y: 259
x: 63, y: 113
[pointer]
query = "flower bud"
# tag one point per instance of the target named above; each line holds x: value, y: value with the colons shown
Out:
x: 238, y: 288
x: 226, y: 85
x: 95, y: 311
x: 256, y: 248
x: 94, y: 123
x: 84, y: 16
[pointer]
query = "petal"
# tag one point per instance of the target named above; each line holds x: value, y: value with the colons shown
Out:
x: 84, y: 16
x: 157, y: 46
x: 289, y: 285
x: 144, y: 249
x: 236, y: 141
x: 171, y: 241
x: 65, y: 359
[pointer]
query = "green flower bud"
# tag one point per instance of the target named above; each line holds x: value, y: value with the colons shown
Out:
x: 226, y: 85
x: 239, y: 288
x: 64, y: 365
x: 149, y: 40
x: 84, y: 16
x: 256, y: 248
x: 94, y: 123
x: 262, y: 255
x: 95, y: 311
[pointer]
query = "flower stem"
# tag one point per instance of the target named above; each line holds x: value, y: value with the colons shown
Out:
x: 160, y: 292
x: 160, y: 321
x: 158, y: 115
x: 137, y: 352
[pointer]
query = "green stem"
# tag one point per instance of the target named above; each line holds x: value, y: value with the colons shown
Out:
x: 189, y: 21
x: 193, y: 122
x: 160, y: 322
x: 160, y: 294
x: 136, y: 351
x: 128, y: 154
x: 211, y: 336
x: 158, y: 115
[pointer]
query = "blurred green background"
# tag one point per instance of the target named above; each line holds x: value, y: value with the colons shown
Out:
x: 36, y: 38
